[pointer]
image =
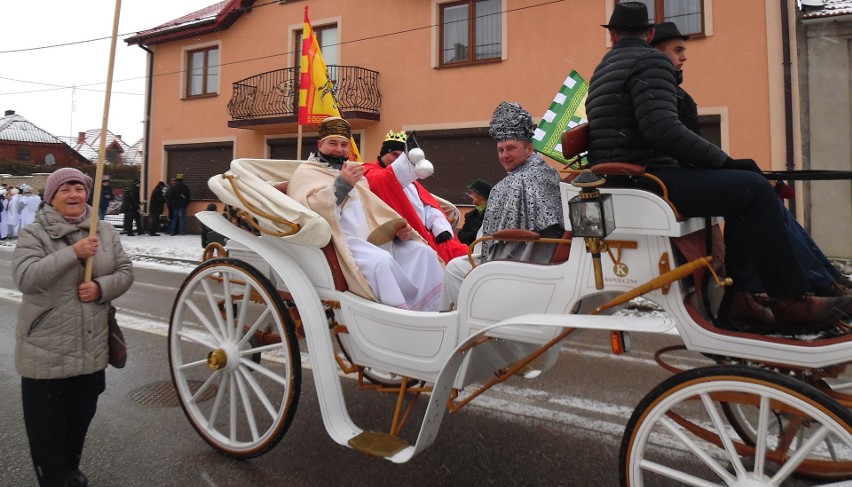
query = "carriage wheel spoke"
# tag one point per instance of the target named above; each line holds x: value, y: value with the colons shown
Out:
x: 249, y: 412
x: 255, y: 387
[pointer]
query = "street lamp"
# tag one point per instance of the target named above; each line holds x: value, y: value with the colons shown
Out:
x: 592, y: 218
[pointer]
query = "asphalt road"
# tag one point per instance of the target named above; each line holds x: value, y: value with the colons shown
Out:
x: 563, y: 428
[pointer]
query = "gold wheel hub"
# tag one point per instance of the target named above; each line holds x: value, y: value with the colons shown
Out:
x: 217, y: 359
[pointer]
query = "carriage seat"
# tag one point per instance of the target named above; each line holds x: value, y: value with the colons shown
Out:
x: 637, y: 211
x: 250, y: 185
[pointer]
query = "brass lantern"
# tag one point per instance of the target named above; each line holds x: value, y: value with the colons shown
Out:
x: 592, y: 217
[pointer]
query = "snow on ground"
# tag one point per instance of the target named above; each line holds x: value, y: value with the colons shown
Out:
x: 180, y: 253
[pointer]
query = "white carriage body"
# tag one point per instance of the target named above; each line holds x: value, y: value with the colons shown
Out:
x: 519, y: 305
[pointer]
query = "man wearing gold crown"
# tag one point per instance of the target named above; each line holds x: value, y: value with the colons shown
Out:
x: 382, y: 259
x: 393, y: 178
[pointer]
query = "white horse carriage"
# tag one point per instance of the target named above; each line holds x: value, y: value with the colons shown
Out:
x: 772, y: 408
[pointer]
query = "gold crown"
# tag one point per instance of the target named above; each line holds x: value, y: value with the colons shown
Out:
x: 400, y: 136
x: 334, y: 127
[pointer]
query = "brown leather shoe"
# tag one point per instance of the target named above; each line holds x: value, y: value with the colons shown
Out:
x: 811, y: 312
x: 743, y: 312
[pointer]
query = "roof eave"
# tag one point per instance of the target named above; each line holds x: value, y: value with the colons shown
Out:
x: 224, y: 20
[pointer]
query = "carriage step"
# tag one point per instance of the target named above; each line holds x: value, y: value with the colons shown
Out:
x: 377, y: 444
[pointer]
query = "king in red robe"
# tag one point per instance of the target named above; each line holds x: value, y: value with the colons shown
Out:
x: 393, y: 178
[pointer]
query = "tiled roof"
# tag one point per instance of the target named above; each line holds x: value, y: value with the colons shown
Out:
x: 216, y: 17
x: 16, y: 128
x: 828, y: 8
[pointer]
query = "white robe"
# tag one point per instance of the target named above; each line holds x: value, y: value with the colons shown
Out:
x: 406, y: 275
x: 402, y: 274
x: 11, y: 220
x: 28, y: 207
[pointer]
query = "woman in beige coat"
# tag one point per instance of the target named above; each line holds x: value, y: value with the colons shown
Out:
x: 61, y: 349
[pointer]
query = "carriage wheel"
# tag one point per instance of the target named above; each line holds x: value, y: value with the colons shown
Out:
x: 679, y: 436
x: 234, y: 362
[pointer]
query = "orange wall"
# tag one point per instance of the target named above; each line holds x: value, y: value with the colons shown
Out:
x: 543, y: 44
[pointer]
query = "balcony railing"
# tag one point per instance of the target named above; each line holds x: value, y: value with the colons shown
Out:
x: 275, y: 95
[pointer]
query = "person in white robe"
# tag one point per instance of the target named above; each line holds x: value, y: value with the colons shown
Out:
x: 382, y: 258
x: 4, y: 204
x: 27, y: 207
x: 11, y: 220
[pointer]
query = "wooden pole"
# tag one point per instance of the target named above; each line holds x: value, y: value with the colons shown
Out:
x: 96, y: 186
x: 299, y: 142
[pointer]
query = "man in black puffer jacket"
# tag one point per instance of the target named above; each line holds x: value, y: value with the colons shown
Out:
x: 632, y: 112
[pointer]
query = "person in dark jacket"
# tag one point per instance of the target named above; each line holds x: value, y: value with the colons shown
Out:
x: 825, y: 279
x: 107, y: 197
x: 478, y: 194
x: 61, y: 350
x: 131, y: 209
x: 178, y: 199
x: 632, y: 112
x: 155, y: 208
x: 669, y: 41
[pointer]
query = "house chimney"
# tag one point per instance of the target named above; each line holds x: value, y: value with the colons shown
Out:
x: 118, y: 137
x: 9, y: 112
x: 81, y: 137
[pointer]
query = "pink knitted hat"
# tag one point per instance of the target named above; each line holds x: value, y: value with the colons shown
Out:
x: 62, y: 176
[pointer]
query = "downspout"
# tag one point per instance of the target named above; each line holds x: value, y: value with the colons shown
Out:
x: 788, y: 94
x: 146, y: 144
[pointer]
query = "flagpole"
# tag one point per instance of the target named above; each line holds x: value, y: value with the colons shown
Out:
x: 96, y: 196
x: 299, y: 144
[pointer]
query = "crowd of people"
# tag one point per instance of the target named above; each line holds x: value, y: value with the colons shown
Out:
x: 18, y: 208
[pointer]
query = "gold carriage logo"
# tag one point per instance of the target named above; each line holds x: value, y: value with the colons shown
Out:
x: 619, y: 268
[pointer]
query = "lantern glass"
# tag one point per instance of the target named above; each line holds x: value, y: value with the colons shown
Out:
x: 592, y: 217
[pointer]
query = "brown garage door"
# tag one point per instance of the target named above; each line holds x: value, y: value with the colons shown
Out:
x: 198, y: 163
x: 460, y: 157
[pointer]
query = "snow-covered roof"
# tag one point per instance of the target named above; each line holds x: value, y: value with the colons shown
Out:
x: 218, y: 16
x: 134, y: 153
x: 88, y: 143
x: 16, y: 128
x: 815, y: 9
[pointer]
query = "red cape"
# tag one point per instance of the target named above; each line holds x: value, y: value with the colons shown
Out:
x: 385, y: 185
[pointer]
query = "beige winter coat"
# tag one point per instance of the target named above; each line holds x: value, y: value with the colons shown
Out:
x: 58, y: 335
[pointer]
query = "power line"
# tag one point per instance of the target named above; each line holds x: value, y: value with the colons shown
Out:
x: 240, y: 61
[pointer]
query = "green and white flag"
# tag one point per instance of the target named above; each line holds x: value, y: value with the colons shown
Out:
x: 567, y: 111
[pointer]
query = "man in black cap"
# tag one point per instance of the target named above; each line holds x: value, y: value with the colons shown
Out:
x: 479, y: 191
x: 825, y: 279
x: 632, y: 112
x: 669, y: 41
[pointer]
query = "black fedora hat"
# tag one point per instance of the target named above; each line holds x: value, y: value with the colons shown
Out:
x: 665, y: 31
x: 629, y: 16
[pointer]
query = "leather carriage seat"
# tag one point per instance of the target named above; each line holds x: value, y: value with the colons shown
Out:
x: 575, y: 143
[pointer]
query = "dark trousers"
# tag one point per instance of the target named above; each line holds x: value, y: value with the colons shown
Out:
x: 755, y: 233
x: 154, y: 223
x: 57, y: 413
x: 131, y: 217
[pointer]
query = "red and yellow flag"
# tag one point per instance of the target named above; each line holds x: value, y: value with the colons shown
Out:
x: 316, y: 90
